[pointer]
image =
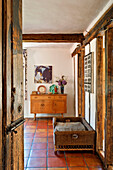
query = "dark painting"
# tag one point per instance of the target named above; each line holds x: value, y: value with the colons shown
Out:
x: 43, y: 74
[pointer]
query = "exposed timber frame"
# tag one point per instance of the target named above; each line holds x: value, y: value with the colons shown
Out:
x: 49, y: 38
x: 103, y: 23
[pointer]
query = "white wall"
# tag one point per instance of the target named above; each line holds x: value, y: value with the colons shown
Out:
x: 61, y: 60
x: 76, y: 84
x: 92, y: 95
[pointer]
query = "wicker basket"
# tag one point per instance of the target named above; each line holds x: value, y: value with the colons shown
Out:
x: 74, y: 140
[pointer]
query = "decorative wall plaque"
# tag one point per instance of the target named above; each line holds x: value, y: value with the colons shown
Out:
x: 89, y: 72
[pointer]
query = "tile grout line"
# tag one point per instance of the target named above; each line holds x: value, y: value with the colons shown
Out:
x: 66, y: 161
x: 47, y: 148
x: 85, y: 162
x: 31, y: 145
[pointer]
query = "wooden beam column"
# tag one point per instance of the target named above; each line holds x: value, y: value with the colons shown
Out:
x: 99, y: 93
x: 79, y: 84
x: 109, y: 96
x: 1, y: 85
x: 81, y: 93
x: 82, y: 83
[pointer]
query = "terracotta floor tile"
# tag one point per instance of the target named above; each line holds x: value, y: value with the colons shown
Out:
x: 28, y: 140
x: 40, y: 140
x: 93, y: 162
x: 50, y: 139
x: 29, y: 135
x: 89, y: 155
x: 36, y: 169
x: 78, y: 168
x: 73, y: 154
x: 36, y: 162
x: 41, y: 130
x: 52, y: 154
x: 95, y: 168
x: 41, y: 134
x: 50, y: 130
x: 50, y: 123
x: 39, y: 146
x: 57, y: 168
x: 27, y: 145
x: 26, y: 153
x: 38, y: 153
x: 29, y: 131
x: 50, y: 145
x: 50, y: 126
x: 42, y: 123
x: 25, y: 162
x: 31, y: 123
x: 50, y: 135
x: 42, y: 127
x: 56, y: 162
x: 30, y: 127
x: 75, y: 161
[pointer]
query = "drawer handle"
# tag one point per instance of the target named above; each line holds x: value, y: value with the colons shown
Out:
x: 49, y: 97
x: 42, y: 104
x: 75, y: 136
x: 35, y: 97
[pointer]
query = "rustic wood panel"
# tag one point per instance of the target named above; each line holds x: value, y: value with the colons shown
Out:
x: 99, y: 93
x: 78, y: 38
x: 17, y: 83
x: 11, y: 44
x: 109, y: 95
x: 4, y: 81
x: 0, y: 84
x: 82, y: 83
x: 8, y: 78
x: 79, y: 84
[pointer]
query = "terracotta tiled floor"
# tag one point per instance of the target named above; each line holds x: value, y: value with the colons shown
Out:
x: 39, y: 150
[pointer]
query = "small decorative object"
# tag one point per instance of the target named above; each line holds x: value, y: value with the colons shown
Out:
x: 41, y: 89
x: 53, y: 89
x: 34, y: 92
x: 43, y: 74
x: 62, y: 82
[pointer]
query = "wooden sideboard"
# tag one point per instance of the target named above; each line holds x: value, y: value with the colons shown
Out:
x: 48, y: 103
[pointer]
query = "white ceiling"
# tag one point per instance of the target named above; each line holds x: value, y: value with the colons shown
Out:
x: 59, y: 16
x: 48, y: 45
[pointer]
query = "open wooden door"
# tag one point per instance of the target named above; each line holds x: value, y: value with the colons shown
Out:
x: 11, y: 89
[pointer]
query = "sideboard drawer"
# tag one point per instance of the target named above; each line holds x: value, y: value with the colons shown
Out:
x: 42, y: 97
x: 55, y: 103
x: 60, y: 97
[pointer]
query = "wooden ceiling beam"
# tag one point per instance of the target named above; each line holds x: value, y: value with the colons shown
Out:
x: 55, y: 38
x: 105, y: 22
x: 101, y: 25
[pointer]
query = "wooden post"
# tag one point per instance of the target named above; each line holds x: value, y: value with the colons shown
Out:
x: 74, y: 88
x: 99, y: 93
x: 79, y: 85
x: 109, y: 96
x: 82, y: 84
x: 1, y: 113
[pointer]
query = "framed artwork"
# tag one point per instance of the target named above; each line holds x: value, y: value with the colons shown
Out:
x: 42, y: 74
x: 89, y: 72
